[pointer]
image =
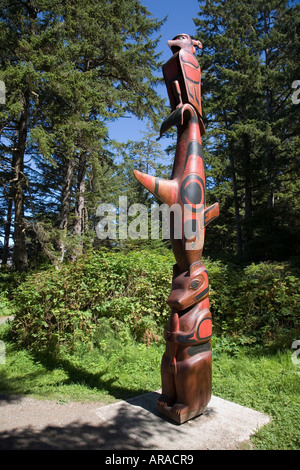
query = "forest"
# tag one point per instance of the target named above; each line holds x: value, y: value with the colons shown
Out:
x: 68, y: 70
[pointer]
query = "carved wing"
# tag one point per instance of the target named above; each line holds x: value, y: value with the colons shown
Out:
x: 172, y: 72
x: 192, y: 78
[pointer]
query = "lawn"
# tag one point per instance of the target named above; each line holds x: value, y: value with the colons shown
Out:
x: 268, y: 382
x: 265, y: 380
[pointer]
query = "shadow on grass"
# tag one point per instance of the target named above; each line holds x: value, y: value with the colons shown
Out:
x: 26, y: 382
x: 80, y: 376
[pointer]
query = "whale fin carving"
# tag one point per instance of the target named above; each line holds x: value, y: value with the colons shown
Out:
x: 165, y: 190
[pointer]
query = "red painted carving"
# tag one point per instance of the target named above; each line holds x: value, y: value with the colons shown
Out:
x: 186, y: 363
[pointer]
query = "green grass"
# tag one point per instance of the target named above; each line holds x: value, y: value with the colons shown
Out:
x: 104, y: 374
x: 251, y: 376
x: 267, y: 382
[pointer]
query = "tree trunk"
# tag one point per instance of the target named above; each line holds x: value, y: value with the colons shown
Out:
x: 65, y: 205
x: 248, y: 191
x: 270, y: 152
x: 271, y: 197
x: 270, y: 164
x: 79, y: 205
x: 66, y: 195
x: 79, y: 225
x: 239, y: 240
x: 7, y: 231
x: 10, y: 200
x: 20, y: 254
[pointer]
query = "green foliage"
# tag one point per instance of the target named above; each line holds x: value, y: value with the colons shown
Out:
x: 9, y: 282
x: 259, y: 302
x: 249, y: 62
x: 60, y: 306
x: 69, y: 68
x: 128, y: 292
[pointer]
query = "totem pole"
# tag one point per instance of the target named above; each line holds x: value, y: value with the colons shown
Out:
x: 186, y: 363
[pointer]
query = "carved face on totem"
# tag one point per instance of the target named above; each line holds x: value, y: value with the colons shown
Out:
x: 189, y: 287
x: 184, y: 41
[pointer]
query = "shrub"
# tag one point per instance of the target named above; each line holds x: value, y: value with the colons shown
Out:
x: 257, y: 303
x: 60, y: 306
x: 9, y: 282
x: 260, y: 301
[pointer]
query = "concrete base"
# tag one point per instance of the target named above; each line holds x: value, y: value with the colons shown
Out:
x: 224, y: 425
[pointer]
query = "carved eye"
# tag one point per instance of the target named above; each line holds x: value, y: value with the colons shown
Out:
x: 194, y: 284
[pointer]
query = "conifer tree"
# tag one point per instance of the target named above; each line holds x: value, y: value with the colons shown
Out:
x: 249, y: 62
x: 69, y: 67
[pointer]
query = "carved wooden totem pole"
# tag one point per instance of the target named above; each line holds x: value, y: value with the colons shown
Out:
x: 186, y: 363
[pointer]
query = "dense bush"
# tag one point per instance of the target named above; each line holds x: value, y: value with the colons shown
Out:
x: 59, y: 306
x: 260, y: 302
x: 127, y: 292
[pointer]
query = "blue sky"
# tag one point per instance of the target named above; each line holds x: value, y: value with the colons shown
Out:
x: 180, y: 20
